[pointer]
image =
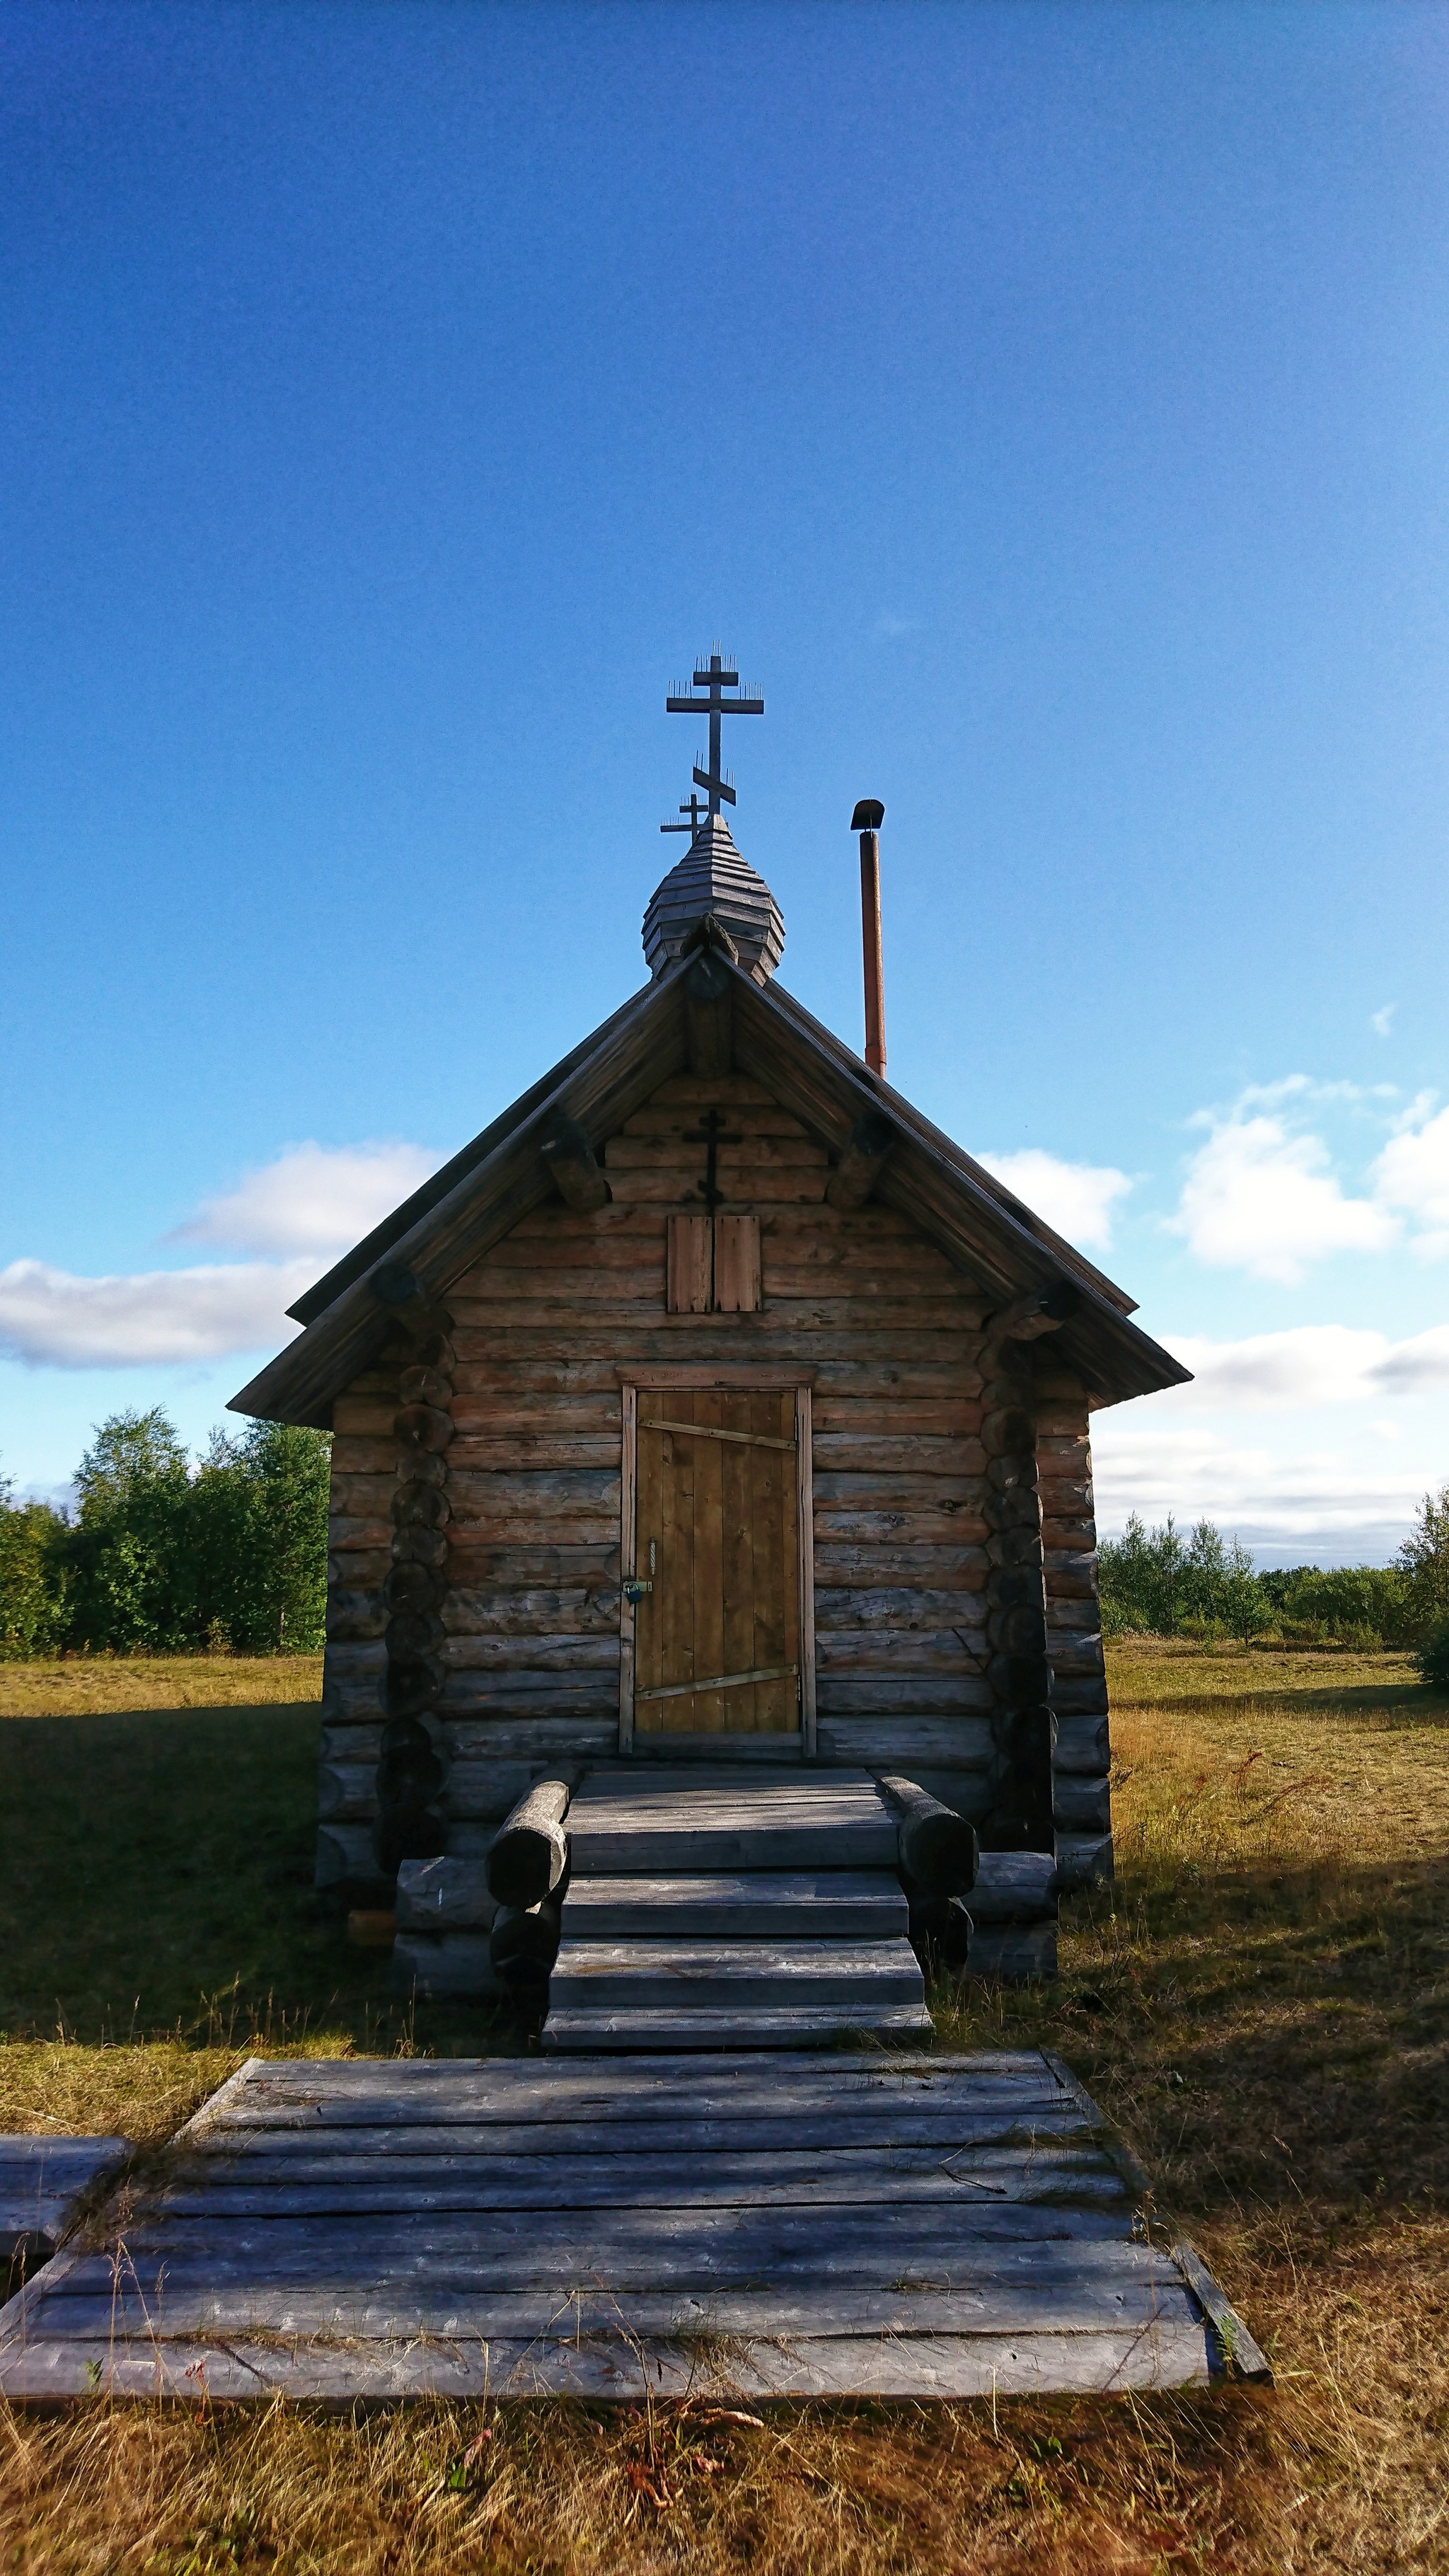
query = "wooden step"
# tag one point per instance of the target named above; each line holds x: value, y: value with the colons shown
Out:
x: 624, y: 1824
x: 747, y: 1905
x: 596, y: 2026
x: 744, y: 1976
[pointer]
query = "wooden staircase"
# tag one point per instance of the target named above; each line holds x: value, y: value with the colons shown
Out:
x: 725, y: 1908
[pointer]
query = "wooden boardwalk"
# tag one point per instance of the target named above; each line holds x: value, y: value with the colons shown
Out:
x: 782, y: 2224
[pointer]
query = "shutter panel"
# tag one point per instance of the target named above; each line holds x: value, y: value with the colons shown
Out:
x: 689, y: 1265
x: 737, y: 1265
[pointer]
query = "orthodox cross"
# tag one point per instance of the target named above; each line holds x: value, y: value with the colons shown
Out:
x: 710, y: 1132
x: 693, y: 809
x: 714, y: 704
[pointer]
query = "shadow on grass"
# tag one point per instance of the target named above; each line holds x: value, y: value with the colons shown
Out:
x: 1265, y: 2035
x: 156, y: 1878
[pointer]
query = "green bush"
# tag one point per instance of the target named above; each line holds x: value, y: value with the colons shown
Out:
x: 163, y: 1557
x: 1433, y: 1657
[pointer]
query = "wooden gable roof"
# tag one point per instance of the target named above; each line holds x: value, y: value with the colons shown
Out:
x: 480, y: 1195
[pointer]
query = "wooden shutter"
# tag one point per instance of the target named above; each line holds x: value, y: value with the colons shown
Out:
x: 690, y: 1265
x: 737, y: 1265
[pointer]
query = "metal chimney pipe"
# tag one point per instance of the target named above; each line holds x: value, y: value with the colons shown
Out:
x: 867, y: 820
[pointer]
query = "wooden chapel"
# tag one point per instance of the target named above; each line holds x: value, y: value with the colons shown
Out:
x: 711, y: 1405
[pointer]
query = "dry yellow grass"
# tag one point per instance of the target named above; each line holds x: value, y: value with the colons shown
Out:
x: 112, y: 1685
x: 1260, y: 2002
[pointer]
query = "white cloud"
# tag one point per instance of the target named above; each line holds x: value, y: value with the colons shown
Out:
x: 1311, y: 1364
x: 1412, y: 1173
x: 1311, y: 1495
x: 1260, y: 1199
x: 158, y: 1317
x: 317, y: 1199
x: 1252, y: 1445
x: 1383, y: 1020
x: 1075, y: 1198
x: 312, y: 1203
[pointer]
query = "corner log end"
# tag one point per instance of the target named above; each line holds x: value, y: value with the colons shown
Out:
x: 867, y: 1151
x: 573, y: 1166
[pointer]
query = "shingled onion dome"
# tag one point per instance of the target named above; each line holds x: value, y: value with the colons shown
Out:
x: 713, y: 878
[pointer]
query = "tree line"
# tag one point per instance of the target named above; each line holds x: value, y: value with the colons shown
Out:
x: 1159, y: 1583
x: 166, y: 1555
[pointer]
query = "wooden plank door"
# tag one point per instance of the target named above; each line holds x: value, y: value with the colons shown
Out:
x: 717, y: 1637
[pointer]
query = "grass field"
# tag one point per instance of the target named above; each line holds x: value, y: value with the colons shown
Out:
x: 1261, y: 2002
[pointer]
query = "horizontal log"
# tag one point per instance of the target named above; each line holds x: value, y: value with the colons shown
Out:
x: 347, y: 1791
x: 1076, y: 1658
x: 344, y: 1855
x: 498, y: 1285
x: 897, y: 1608
x: 937, y: 1846
x: 371, y: 1454
x: 884, y: 1696
x: 436, y: 1965
x: 880, y: 1526
x: 1083, y: 1860
x: 677, y: 1117
x: 525, y: 1694
x: 1081, y: 1806
x: 920, y: 1454
x: 626, y: 1338
x: 347, y: 1661
x: 580, y: 1610
x: 367, y: 1417
x: 959, y: 1742
x: 530, y: 1852
x: 480, y: 1792
x: 886, y: 1418
x: 445, y: 1894
x: 351, y: 1740
x: 1068, y: 1533
x: 944, y: 1654
x: 360, y: 1533
x: 1081, y: 1745
x: 354, y: 1618
x: 752, y: 1184
x: 885, y: 1568
x: 1076, y: 1697
x: 669, y: 1154
x: 548, y: 1491
x: 1015, y: 1955
x: 534, y: 1653
x: 480, y: 1565
x: 536, y: 1452
x: 899, y: 1489
x: 1072, y: 1618
x: 556, y: 1743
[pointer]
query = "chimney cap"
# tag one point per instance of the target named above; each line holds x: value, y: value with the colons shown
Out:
x: 868, y: 816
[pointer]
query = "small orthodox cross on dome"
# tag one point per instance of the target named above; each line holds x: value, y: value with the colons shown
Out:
x: 714, y: 681
x: 693, y: 809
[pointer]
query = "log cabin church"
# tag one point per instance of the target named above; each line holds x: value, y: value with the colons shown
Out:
x: 710, y: 1408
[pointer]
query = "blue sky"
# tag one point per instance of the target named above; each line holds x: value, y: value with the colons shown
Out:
x: 1046, y: 405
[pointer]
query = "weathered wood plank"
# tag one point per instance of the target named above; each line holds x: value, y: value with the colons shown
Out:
x: 622, y: 2370
x: 1082, y: 2177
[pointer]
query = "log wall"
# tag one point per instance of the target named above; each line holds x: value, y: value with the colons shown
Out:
x: 906, y: 1494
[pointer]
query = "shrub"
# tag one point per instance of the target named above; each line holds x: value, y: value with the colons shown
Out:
x: 1433, y: 1657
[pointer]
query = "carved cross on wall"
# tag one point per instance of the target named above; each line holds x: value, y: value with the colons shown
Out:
x: 711, y: 1133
